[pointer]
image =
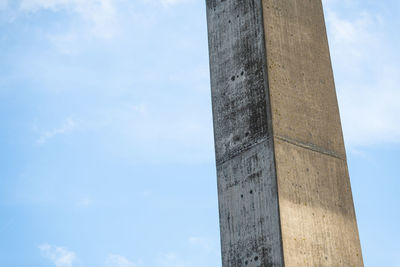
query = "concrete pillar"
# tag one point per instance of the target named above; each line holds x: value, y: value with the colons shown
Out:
x: 283, y: 184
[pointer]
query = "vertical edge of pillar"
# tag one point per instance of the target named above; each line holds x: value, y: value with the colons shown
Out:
x: 246, y: 174
x: 318, y: 223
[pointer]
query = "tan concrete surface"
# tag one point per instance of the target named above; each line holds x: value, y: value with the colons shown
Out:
x: 316, y: 208
x: 303, y: 98
x: 317, y: 215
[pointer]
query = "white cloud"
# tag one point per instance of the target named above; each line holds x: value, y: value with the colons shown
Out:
x: 370, y: 114
x: 99, y: 14
x: 68, y: 126
x: 352, y: 38
x: 115, y: 260
x: 61, y: 257
x: 367, y: 77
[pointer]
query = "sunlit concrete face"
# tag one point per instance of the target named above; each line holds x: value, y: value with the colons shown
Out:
x: 283, y: 184
x: 318, y: 222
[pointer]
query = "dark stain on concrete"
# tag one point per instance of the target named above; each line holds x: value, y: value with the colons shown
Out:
x: 247, y: 189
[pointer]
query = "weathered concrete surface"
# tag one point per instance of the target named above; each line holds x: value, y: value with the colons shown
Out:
x: 316, y: 207
x: 317, y: 216
x: 248, y: 200
x: 283, y: 185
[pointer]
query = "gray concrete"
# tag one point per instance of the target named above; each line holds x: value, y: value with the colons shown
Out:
x: 283, y: 184
x: 248, y: 200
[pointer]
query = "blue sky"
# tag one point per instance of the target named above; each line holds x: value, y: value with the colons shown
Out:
x: 107, y: 156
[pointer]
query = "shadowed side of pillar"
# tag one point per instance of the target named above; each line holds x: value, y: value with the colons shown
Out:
x: 247, y: 188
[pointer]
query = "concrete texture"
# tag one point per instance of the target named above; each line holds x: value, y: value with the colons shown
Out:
x: 283, y: 184
x: 316, y: 207
x: 248, y: 200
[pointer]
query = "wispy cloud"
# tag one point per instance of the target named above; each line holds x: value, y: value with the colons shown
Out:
x: 67, y: 127
x: 115, y: 260
x: 101, y: 15
x: 61, y: 257
x: 370, y: 114
x: 367, y: 77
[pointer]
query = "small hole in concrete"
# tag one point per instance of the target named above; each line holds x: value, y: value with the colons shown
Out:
x: 246, y: 262
x: 241, y: 196
x: 229, y: 21
x: 233, y: 78
x: 242, y: 73
x: 251, y: 191
x: 256, y: 258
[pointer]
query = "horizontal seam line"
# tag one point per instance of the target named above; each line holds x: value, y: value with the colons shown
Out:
x: 310, y: 147
x: 238, y: 152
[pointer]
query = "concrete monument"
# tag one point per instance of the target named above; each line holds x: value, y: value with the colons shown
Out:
x: 283, y: 184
